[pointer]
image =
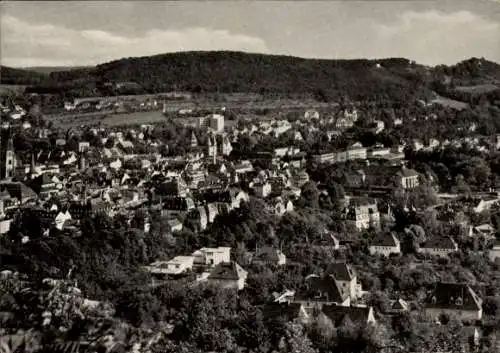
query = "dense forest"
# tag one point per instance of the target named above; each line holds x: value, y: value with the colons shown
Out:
x: 228, y: 72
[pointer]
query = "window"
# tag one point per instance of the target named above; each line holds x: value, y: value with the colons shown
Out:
x: 177, y: 266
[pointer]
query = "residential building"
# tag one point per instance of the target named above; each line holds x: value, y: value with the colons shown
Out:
x: 359, y: 315
x: 456, y: 299
x: 494, y: 252
x: 322, y: 290
x: 269, y: 256
x: 211, y: 256
x: 346, y: 278
x: 262, y: 189
x: 439, y: 246
x: 407, y: 178
x: 175, y: 266
x: 228, y: 275
x: 290, y: 312
x: 385, y: 245
x: 363, y: 213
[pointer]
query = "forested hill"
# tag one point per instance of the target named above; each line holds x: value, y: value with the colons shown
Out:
x: 11, y: 76
x: 395, y: 78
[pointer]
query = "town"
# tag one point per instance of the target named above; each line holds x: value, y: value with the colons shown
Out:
x: 373, y: 227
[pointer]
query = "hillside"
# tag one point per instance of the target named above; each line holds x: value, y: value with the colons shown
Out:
x: 228, y: 72
x: 49, y: 69
x: 12, y: 76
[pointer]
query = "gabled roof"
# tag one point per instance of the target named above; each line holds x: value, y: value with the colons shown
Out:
x: 227, y: 271
x: 322, y: 289
x: 386, y: 239
x: 267, y: 253
x: 341, y: 271
x: 337, y: 313
x: 439, y: 243
x: 456, y: 296
x: 407, y: 173
x: 400, y: 304
x: 286, y: 311
x: 19, y: 191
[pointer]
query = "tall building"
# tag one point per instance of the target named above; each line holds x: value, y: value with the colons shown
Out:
x: 7, y: 158
x: 225, y: 146
x: 216, y: 122
x: 194, y: 140
x: 212, y: 148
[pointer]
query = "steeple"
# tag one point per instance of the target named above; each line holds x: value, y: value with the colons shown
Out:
x: 194, y: 141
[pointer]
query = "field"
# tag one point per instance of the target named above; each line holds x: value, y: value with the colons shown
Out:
x: 93, y: 119
x: 11, y: 89
x: 150, y: 117
x: 447, y: 102
x: 478, y: 88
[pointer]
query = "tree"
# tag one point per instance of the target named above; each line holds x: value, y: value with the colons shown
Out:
x: 310, y: 195
x: 295, y: 340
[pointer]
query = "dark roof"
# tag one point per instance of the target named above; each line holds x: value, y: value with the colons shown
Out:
x: 322, y: 289
x: 340, y: 271
x: 276, y: 311
x: 439, y: 243
x: 227, y: 271
x: 406, y: 172
x: 446, y: 296
x: 386, y: 239
x: 337, y: 313
x: 19, y: 191
x: 267, y: 254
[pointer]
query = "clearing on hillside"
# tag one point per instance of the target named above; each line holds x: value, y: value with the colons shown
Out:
x: 448, y: 102
x: 488, y: 87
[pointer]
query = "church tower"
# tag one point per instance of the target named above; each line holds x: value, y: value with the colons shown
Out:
x: 212, y: 148
x: 8, y: 160
x: 194, y: 141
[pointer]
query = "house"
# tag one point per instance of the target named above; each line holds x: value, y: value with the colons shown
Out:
x: 486, y: 203
x: 358, y: 315
x: 456, y: 299
x: 280, y: 207
x: 262, y: 189
x: 346, y: 278
x: 311, y: 114
x: 407, y: 178
x: 269, y: 256
x: 178, y: 205
x: 174, y: 225
x: 44, y: 186
x: 486, y: 230
x: 398, y: 306
x: 211, y: 256
x: 363, y: 213
x: 61, y: 219
x: 439, y: 246
x: 356, y: 151
x: 176, y: 266
x: 301, y: 178
x: 199, y: 215
x: 321, y: 290
x: 289, y: 312
x: 494, y: 252
x: 228, y: 275
x: 385, y: 245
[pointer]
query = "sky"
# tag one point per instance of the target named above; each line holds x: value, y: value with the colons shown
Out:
x: 78, y: 33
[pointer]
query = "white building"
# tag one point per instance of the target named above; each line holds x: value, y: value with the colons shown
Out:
x: 212, y: 256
